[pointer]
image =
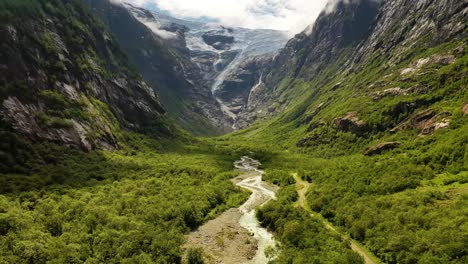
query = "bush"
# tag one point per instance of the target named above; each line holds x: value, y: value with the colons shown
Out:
x: 195, y: 256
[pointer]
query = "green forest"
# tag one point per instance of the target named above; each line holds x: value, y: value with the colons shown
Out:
x: 405, y: 205
x: 129, y: 206
x: 137, y: 202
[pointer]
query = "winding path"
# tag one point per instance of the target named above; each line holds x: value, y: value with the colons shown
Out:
x: 302, y: 188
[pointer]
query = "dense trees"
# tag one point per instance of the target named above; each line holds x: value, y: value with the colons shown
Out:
x: 303, y: 239
x: 112, y: 207
x: 406, y: 205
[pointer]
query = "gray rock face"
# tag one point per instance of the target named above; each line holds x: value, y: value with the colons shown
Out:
x: 75, y: 90
x: 22, y: 118
x: 216, y: 52
x: 401, y: 25
x: 426, y: 122
x: 354, y: 32
x: 244, y: 92
x: 159, y: 50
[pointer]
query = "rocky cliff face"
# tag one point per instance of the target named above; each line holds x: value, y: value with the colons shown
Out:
x: 344, y: 39
x: 64, y: 79
x: 223, y: 56
x: 201, y: 56
x: 405, y: 26
x: 160, y: 53
x: 399, y: 86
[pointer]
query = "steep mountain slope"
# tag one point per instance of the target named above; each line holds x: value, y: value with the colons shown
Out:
x: 221, y: 51
x: 384, y: 61
x: 65, y: 80
x: 165, y: 64
x: 65, y: 87
x: 202, y: 55
x: 303, y: 56
x: 352, y: 35
x: 380, y: 117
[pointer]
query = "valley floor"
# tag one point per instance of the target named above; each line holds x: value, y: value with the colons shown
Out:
x: 139, y: 203
x: 235, y: 237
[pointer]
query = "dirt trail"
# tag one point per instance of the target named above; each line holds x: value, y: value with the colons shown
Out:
x: 236, y: 236
x: 302, y: 188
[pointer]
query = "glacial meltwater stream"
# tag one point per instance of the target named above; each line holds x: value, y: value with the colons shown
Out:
x: 261, y: 194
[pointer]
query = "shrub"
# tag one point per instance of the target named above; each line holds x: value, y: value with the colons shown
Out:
x: 195, y: 256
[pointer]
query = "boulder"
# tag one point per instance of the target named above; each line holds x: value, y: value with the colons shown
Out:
x: 431, y: 126
x: 379, y: 148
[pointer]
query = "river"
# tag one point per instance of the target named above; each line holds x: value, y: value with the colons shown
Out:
x: 261, y: 194
x: 235, y: 236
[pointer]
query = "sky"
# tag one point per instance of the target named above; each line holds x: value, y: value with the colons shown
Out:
x: 288, y: 15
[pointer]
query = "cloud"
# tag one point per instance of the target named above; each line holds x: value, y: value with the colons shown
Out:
x: 288, y: 15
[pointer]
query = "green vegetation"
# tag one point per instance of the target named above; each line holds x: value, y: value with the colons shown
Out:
x: 18, y: 9
x: 406, y: 205
x: 195, y: 256
x: 135, y: 204
x: 132, y: 205
x: 303, y: 239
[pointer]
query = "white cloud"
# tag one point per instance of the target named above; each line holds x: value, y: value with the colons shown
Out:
x: 289, y: 15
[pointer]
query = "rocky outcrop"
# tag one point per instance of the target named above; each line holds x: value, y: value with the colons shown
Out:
x: 426, y: 122
x: 432, y: 125
x: 27, y: 119
x: 397, y: 91
x: 380, y: 148
x: 68, y: 84
x: 350, y: 123
x: 430, y: 61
